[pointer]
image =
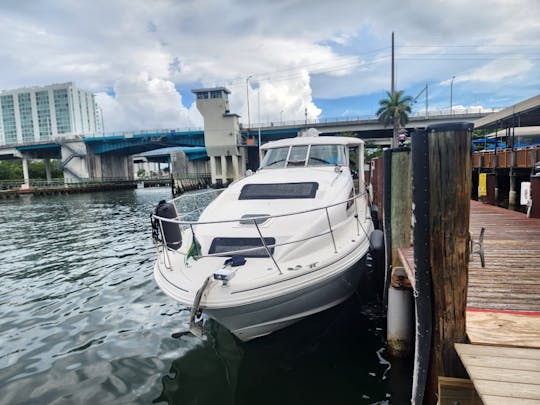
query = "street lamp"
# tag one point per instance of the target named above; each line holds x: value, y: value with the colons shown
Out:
x: 451, y: 93
x: 281, y: 117
x: 247, y: 96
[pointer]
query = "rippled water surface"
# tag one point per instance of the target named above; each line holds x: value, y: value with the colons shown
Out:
x: 82, y: 321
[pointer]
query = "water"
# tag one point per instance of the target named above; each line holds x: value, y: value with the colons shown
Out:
x: 83, y: 322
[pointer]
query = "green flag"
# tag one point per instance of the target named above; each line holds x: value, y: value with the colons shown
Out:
x: 194, y: 250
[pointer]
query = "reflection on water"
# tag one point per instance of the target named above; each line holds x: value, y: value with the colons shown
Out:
x: 83, y: 321
x: 326, y: 359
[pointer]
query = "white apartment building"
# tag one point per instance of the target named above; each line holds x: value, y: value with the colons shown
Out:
x: 32, y: 114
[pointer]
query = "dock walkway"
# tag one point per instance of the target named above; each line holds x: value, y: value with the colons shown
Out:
x: 503, y: 307
x: 503, y: 299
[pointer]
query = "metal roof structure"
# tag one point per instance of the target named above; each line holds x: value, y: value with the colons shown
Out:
x: 523, y: 114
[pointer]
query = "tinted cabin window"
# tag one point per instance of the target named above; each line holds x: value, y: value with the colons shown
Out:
x: 327, y: 155
x: 276, y: 157
x: 224, y: 245
x: 298, y: 156
x: 278, y: 191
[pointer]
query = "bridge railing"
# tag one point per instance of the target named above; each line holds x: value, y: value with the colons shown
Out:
x: 266, y: 125
x: 161, y: 131
x: 368, y: 118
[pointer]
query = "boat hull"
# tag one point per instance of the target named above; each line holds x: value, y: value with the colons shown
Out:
x: 254, y: 320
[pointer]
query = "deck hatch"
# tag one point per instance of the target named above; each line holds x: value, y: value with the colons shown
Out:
x: 223, y: 245
x: 275, y: 191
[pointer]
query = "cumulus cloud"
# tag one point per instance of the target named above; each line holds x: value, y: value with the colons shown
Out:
x: 143, y: 102
x: 497, y: 70
x: 296, y: 54
x: 273, y: 101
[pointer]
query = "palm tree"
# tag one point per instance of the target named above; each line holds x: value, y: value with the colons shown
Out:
x: 395, y: 110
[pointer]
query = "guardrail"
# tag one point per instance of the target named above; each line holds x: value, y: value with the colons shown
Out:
x: 369, y: 118
x: 161, y: 241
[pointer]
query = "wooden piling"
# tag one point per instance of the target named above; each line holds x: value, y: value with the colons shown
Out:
x: 441, y: 240
x: 401, y: 202
x: 397, y: 220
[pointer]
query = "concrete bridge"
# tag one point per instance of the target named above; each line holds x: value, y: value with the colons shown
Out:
x: 108, y: 156
x: 370, y: 130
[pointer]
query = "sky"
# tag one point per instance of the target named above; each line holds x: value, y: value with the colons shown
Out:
x: 329, y: 59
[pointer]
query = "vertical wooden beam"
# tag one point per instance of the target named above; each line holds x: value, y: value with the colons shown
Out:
x: 399, y: 319
x: 401, y: 202
x: 446, y: 239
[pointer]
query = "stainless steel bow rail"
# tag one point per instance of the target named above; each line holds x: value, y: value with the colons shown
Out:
x: 162, y: 243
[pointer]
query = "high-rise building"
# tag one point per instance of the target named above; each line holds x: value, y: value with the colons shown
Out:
x: 33, y: 114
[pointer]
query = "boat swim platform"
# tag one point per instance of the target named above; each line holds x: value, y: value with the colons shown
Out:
x: 503, y: 307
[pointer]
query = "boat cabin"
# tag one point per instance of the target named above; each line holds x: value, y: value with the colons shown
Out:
x: 314, y: 151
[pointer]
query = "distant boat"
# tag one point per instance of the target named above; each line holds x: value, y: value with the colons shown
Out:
x: 275, y: 246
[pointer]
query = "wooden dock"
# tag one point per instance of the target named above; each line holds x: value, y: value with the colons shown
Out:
x: 503, y: 307
x: 503, y: 375
x: 503, y: 298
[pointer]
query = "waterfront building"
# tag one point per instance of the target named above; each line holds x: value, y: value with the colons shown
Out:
x: 33, y: 114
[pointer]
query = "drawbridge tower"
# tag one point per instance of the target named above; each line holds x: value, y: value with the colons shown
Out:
x: 222, y: 136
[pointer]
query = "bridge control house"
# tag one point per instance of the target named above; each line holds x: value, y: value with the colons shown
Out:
x: 222, y: 135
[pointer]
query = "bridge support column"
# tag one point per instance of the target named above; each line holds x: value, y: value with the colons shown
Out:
x: 213, y: 173
x: 116, y: 167
x: 235, y: 160
x: 224, y: 169
x: 25, y: 174
x: 48, y: 171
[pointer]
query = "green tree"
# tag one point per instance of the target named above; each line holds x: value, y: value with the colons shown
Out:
x: 394, y: 110
x: 371, y: 152
x: 12, y: 169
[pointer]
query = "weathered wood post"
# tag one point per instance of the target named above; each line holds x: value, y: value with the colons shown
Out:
x: 397, y: 220
x: 512, y: 195
x: 441, y: 210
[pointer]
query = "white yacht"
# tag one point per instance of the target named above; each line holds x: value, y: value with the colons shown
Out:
x: 276, y: 246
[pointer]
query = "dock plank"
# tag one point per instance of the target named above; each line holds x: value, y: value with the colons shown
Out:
x: 510, y: 390
x: 509, y: 282
x: 503, y: 328
x: 502, y: 374
x: 497, y: 400
x: 493, y: 374
x: 516, y: 353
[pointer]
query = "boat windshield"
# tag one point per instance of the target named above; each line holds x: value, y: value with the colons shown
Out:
x: 305, y: 155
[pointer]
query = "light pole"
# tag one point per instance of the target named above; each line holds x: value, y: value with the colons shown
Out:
x: 247, y: 96
x: 259, y: 104
x: 281, y: 117
x: 451, y: 93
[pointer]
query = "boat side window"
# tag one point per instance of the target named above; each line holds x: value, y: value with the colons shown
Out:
x: 298, y: 156
x: 275, y: 157
x: 327, y: 155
